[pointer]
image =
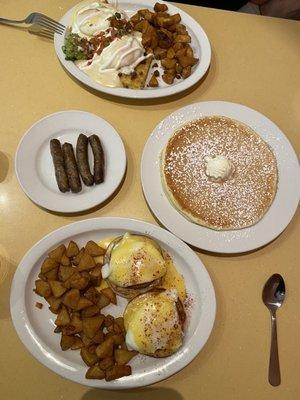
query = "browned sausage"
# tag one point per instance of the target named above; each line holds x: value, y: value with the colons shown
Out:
x: 59, y: 166
x: 99, y: 162
x: 83, y: 160
x: 71, y: 168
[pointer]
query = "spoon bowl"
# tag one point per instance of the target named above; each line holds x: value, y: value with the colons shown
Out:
x: 273, y: 296
x: 274, y: 292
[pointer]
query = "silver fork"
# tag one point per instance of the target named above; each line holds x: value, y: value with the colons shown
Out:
x: 40, y: 24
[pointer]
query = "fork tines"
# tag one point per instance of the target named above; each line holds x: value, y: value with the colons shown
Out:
x: 49, y: 24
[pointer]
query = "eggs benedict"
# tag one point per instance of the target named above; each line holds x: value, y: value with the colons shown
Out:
x: 154, y: 323
x: 134, y: 265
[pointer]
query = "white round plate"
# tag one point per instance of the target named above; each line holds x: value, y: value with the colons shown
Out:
x: 35, y: 327
x: 233, y: 241
x: 200, y: 45
x: 35, y: 170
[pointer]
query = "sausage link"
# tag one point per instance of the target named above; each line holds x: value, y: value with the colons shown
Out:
x: 59, y: 166
x: 83, y: 160
x: 99, y: 162
x: 71, y: 168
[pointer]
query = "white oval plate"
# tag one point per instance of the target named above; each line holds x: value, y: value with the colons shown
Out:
x: 200, y: 44
x: 35, y: 170
x: 35, y: 327
x: 233, y: 241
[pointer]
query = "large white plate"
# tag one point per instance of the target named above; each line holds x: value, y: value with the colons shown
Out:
x: 35, y: 170
x: 200, y: 44
x: 233, y: 241
x: 35, y: 327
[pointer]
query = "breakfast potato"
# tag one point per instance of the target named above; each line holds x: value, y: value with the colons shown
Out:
x: 169, y: 79
x: 91, y: 325
x: 106, y: 363
x: 176, y: 18
x: 178, y: 68
x: 72, y: 249
x: 168, y: 63
x: 118, y: 339
x: 57, y: 253
x: 83, y: 303
x: 39, y: 305
x: 96, y: 275
x: 66, y: 342
x: 92, y: 294
x: 108, y: 321
x: 117, y: 371
x: 85, y: 340
x: 99, y: 337
x: 80, y: 281
x: 55, y: 304
x: 88, y: 357
x: 77, y: 343
x: 48, y: 265
x: 122, y: 357
x: 159, y: 53
x: 120, y: 322
x: 93, y: 249
x: 110, y: 294
x: 106, y: 348
x: 90, y: 311
x: 65, y: 272
x: 51, y: 275
x: 42, y: 288
x: 77, y: 258
x: 86, y: 262
x: 103, y: 301
x: 95, y: 372
x: 186, y: 61
x: 67, y: 283
x: 171, y: 53
x: 186, y: 72
x: 160, y: 7
x: 71, y: 298
x: 181, y: 29
x: 72, y: 294
x: 182, y: 38
x: 76, y: 323
x: 65, y: 260
x: 63, y: 317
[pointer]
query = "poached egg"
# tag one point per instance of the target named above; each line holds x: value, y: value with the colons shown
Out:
x: 153, y: 324
x: 134, y: 260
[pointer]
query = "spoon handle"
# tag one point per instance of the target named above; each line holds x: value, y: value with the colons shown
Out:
x: 274, y: 369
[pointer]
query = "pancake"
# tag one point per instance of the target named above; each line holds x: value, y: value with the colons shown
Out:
x: 239, y: 199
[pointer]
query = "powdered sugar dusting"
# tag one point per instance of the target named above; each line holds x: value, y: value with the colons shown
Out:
x: 235, y: 203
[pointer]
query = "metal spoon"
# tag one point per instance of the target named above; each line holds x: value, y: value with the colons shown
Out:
x: 273, y: 296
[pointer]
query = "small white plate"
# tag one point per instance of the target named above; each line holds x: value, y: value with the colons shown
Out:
x: 35, y: 170
x: 35, y: 327
x: 234, y: 241
x: 200, y: 45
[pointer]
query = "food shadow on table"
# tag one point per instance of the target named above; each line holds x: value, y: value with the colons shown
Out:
x: 7, y: 269
x: 5, y: 163
x: 203, y: 84
x: 147, y: 393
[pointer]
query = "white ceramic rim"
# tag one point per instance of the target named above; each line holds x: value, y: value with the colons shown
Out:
x: 203, y: 44
x: 43, y: 354
x: 74, y: 204
x: 236, y: 241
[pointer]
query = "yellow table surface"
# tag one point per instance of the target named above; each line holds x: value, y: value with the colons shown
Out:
x: 256, y: 62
